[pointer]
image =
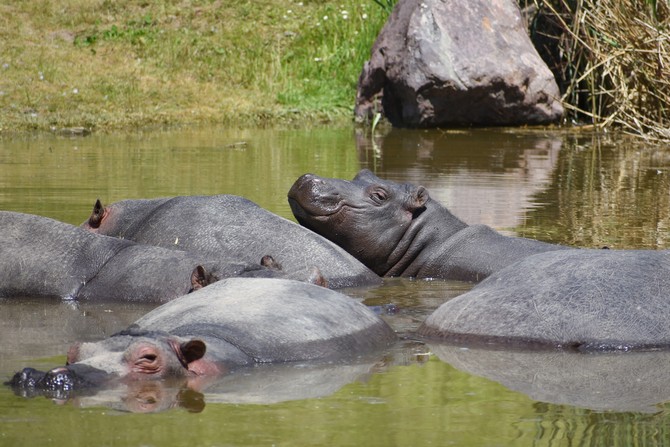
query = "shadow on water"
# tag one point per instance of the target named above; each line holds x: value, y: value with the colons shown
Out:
x: 559, y: 186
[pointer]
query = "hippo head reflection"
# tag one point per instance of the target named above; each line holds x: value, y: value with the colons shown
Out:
x: 260, y: 384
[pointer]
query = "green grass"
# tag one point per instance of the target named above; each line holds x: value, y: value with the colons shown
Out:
x: 119, y: 64
x: 108, y: 64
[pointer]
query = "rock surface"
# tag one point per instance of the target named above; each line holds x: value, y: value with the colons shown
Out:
x: 438, y: 63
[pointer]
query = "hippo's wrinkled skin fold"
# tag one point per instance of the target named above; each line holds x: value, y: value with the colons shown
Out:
x: 232, y: 228
x: 398, y: 230
x: 232, y: 323
x: 587, y: 300
x: 41, y: 257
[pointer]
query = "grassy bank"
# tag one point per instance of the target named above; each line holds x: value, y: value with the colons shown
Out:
x: 118, y: 64
x: 109, y: 64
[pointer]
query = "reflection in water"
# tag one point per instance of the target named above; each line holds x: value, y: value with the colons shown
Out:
x: 548, y: 184
x: 412, y: 300
x: 615, y: 382
x: 563, y: 425
x: 576, y: 189
x: 260, y: 384
x: 606, y: 192
x: 61, y: 177
x: 516, y: 166
x: 32, y: 328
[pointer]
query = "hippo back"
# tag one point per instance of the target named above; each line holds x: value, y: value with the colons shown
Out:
x: 238, y: 230
x: 273, y: 320
x: 585, y: 299
x: 43, y: 257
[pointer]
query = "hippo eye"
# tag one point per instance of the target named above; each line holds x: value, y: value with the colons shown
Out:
x: 378, y: 195
x: 146, y: 360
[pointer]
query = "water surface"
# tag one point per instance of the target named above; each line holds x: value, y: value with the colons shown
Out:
x: 559, y: 186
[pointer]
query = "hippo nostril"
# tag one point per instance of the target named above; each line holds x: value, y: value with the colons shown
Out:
x: 59, y: 383
x: 26, y: 378
x: 59, y: 378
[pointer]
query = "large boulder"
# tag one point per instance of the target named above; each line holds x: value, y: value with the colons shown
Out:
x: 445, y: 62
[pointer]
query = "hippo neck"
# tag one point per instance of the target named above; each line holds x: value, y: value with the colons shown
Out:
x: 431, y: 229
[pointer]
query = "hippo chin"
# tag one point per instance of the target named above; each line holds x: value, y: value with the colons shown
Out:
x: 232, y: 323
x: 587, y: 300
x: 232, y: 228
x: 398, y: 230
x: 46, y: 258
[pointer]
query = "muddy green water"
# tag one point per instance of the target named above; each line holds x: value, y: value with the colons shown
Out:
x: 558, y: 186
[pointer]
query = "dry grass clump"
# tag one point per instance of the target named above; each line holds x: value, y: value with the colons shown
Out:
x: 612, y: 60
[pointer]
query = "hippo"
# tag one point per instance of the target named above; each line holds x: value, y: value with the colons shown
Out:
x: 583, y: 300
x: 398, y: 230
x: 42, y: 257
x: 231, y: 227
x: 235, y: 322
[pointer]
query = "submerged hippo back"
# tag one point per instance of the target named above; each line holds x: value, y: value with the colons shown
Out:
x: 273, y: 320
x: 236, y: 229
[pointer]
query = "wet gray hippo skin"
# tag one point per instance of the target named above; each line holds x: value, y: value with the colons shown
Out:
x: 232, y: 323
x: 43, y: 257
x: 574, y: 299
x: 232, y: 228
x: 398, y: 230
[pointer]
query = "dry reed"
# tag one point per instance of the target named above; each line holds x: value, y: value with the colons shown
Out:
x: 612, y: 60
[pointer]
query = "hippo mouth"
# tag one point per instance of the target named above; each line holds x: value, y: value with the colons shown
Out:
x: 60, y: 383
x: 311, y: 198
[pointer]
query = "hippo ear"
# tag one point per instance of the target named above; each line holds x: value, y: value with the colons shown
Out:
x: 97, y: 215
x: 317, y: 278
x: 192, y: 350
x: 73, y: 354
x: 198, y: 278
x: 366, y: 176
x: 201, y: 278
x: 270, y: 262
x: 421, y: 196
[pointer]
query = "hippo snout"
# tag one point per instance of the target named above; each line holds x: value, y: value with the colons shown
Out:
x: 311, y: 196
x: 30, y: 382
x: 58, y: 383
x: 60, y: 379
x: 303, y: 187
x: 27, y: 378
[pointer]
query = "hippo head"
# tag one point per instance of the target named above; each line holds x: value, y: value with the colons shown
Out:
x: 127, y: 356
x: 368, y: 216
